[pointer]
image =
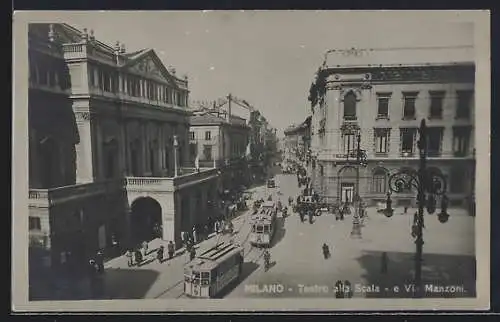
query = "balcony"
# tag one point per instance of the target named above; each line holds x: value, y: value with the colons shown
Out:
x: 188, y: 177
x: 54, y: 196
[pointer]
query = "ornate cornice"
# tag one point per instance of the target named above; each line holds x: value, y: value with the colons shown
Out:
x: 463, y: 73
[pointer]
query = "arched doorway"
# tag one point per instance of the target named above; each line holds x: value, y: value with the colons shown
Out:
x: 146, y: 219
x: 347, y: 181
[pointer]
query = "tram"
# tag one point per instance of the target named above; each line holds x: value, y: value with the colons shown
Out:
x: 213, y: 270
x: 264, y: 225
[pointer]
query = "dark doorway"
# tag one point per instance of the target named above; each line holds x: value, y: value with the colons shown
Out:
x: 145, y: 219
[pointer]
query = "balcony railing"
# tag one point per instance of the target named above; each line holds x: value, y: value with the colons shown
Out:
x: 52, y: 196
x: 187, y: 176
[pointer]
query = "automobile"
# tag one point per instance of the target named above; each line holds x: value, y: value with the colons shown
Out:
x: 271, y: 183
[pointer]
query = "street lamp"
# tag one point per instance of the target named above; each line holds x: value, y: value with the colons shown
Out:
x: 429, y: 185
x: 360, y: 162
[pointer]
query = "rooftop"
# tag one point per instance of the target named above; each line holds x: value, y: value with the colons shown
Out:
x: 380, y: 57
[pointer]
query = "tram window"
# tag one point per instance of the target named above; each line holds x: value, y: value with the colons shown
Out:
x: 205, y: 275
x: 266, y: 229
x: 196, y: 280
x: 260, y: 228
x: 205, y: 278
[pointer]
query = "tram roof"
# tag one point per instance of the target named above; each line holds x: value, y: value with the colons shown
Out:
x: 211, y: 258
x: 268, y: 204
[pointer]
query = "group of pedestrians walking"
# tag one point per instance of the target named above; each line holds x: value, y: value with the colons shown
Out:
x: 138, y: 256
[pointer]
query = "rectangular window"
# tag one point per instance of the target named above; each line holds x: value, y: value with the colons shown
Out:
x: 461, y: 139
x: 436, y: 108
x: 207, y: 152
x: 407, y: 139
x: 464, y: 100
x: 349, y: 142
x: 191, y: 135
x: 409, y: 100
x: 434, y: 138
x: 382, y: 141
x: 383, y: 105
x: 208, y: 135
x: 34, y: 223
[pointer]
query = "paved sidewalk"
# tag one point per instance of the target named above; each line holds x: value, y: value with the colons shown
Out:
x: 154, y: 279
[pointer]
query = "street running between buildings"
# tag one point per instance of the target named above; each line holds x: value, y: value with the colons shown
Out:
x: 246, y: 255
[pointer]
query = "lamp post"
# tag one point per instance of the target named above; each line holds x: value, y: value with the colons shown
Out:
x: 429, y: 185
x: 360, y: 162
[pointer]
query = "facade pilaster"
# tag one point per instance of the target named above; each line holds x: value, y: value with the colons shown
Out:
x: 124, y: 146
x: 143, y: 158
x: 99, y: 142
x: 85, y: 171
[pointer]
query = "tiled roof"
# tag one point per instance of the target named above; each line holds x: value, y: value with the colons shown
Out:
x: 206, y: 119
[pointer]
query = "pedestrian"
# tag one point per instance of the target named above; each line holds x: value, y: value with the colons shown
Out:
x: 170, y: 249
x: 145, y: 248
x: 206, y: 232
x: 406, y: 209
x: 192, y: 253
x: 326, y: 251
x: 130, y: 260
x: 195, y: 235
x: 339, y: 289
x: 348, y: 291
x: 100, y: 261
x: 138, y: 257
x: 159, y: 254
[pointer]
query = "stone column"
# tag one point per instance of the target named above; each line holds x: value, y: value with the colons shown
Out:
x: 99, y: 142
x: 85, y: 171
x: 144, y: 147
x: 123, y: 148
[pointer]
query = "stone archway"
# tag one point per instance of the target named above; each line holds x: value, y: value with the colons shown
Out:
x: 146, y: 216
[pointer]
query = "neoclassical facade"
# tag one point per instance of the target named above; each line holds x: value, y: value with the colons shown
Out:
x: 220, y: 142
x: 108, y: 133
x: 383, y: 95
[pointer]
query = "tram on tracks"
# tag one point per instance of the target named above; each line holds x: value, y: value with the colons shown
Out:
x: 264, y: 225
x: 213, y: 271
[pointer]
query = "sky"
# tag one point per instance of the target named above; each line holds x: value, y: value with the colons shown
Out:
x: 266, y: 58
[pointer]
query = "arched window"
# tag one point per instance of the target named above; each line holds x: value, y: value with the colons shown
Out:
x: 379, y: 183
x: 350, y: 106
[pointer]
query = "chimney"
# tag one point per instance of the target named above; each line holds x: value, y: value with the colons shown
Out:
x: 52, y: 34
x: 171, y: 70
x: 228, y: 114
x: 92, y: 38
x: 85, y: 35
x: 117, y: 52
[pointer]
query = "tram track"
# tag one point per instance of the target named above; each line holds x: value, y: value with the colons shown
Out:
x: 245, y: 256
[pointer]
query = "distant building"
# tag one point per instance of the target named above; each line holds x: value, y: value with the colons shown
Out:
x: 383, y: 95
x: 220, y: 142
x: 297, y: 141
x: 108, y: 147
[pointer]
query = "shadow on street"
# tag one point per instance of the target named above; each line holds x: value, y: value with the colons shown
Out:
x: 128, y: 283
x: 247, y: 270
x: 280, y: 231
x: 437, y: 269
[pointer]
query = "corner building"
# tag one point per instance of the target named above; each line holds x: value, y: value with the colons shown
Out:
x: 383, y: 95
x: 108, y: 133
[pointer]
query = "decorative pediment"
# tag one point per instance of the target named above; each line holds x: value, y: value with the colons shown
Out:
x: 149, y: 64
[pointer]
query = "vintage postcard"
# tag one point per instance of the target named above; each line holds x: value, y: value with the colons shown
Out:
x: 251, y: 161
